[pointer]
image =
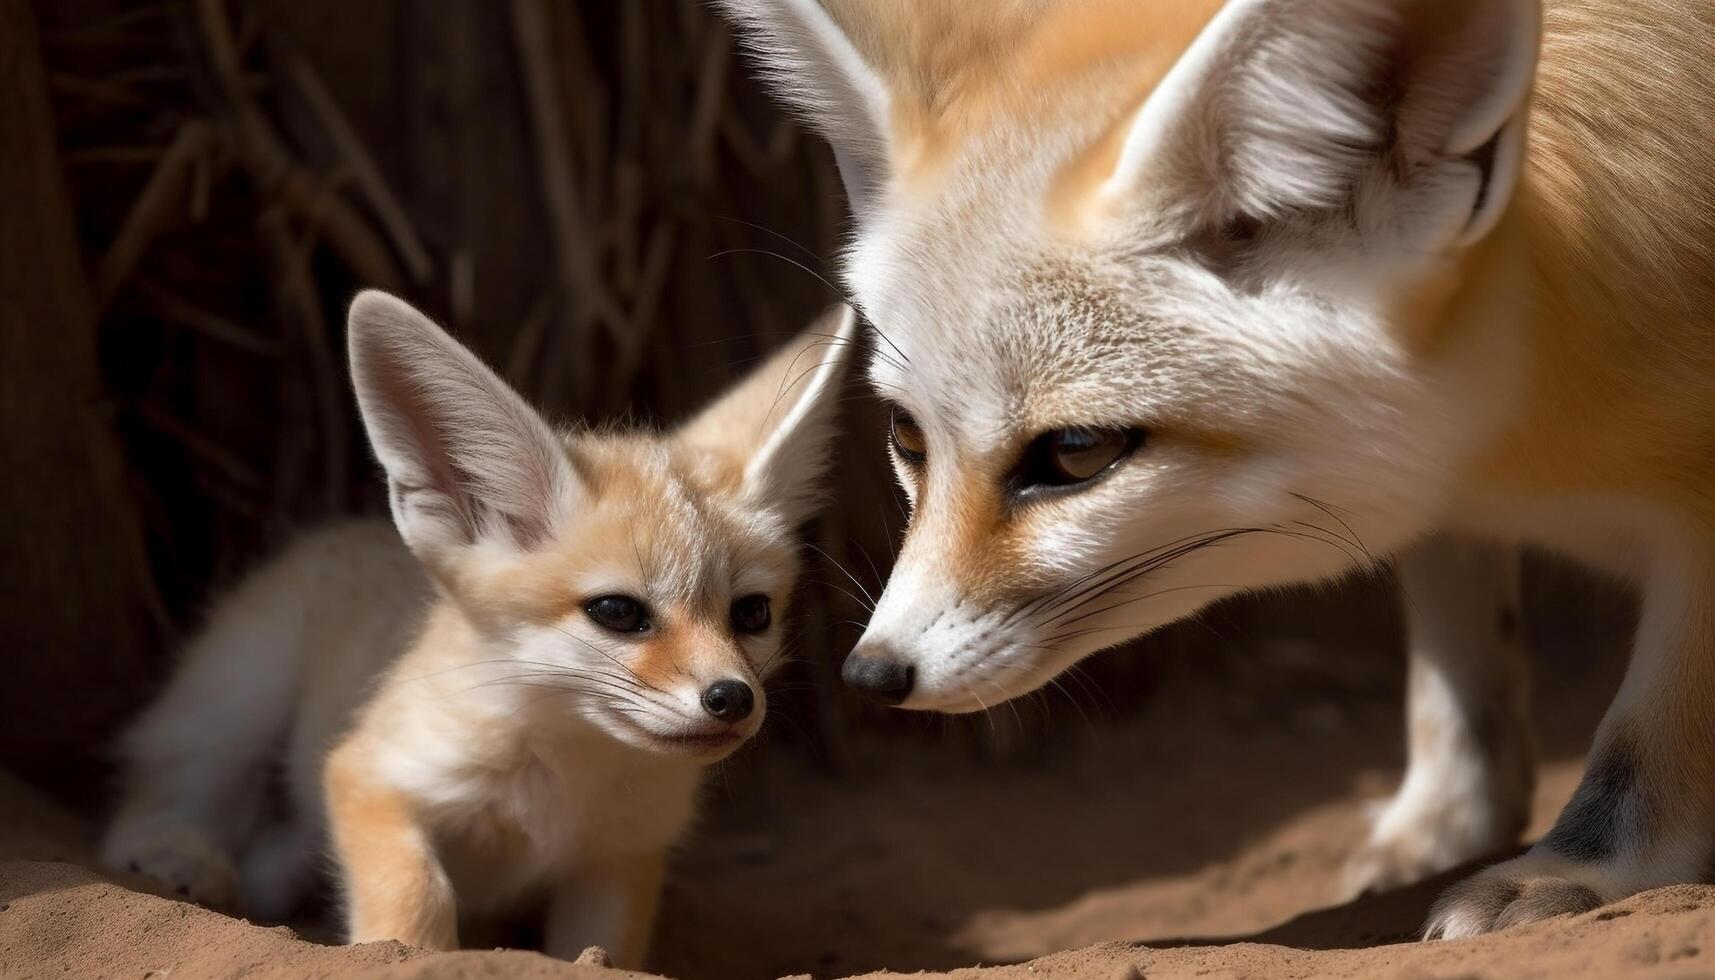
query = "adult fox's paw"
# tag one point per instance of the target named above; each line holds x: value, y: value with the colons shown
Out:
x: 1529, y: 888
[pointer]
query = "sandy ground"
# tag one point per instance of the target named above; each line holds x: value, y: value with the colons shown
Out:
x: 1202, y: 838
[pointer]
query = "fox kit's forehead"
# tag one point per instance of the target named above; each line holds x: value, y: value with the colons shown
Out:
x: 648, y: 522
x: 676, y: 524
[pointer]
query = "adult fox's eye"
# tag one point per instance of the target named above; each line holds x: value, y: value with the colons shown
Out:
x: 1064, y: 457
x: 1078, y: 454
x: 751, y: 614
x: 907, y: 437
x: 619, y: 613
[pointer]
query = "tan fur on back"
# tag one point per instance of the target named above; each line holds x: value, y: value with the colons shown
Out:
x: 1618, y: 217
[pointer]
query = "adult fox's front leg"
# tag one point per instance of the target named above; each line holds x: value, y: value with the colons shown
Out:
x: 1644, y: 814
x: 1471, y: 763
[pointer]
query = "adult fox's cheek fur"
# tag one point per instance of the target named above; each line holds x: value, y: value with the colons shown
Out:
x: 1337, y: 275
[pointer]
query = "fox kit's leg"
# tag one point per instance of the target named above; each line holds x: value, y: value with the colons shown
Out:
x: 280, y: 869
x: 1470, y: 769
x: 197, y: 761
x: 395, y: 887
x: 289, y: 858
x: 613, y: 908
x: 1644, y: 815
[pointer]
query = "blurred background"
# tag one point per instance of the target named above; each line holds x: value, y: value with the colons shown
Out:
x: 597, y: 197
x: 594, y: 195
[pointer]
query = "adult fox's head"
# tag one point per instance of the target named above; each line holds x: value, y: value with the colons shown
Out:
x: 1170, y: 299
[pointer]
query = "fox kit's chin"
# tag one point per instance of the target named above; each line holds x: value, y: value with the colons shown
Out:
x: 696, y: 742
x: 703, y: 747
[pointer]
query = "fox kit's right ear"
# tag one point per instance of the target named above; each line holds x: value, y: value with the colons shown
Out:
x: 814, y: 67
x: 773, y: 429
x: 467, y: 459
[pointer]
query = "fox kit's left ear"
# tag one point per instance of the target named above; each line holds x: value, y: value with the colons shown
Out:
x: 774, y: 428
x: 467, y: 459
x: 1286, y: 105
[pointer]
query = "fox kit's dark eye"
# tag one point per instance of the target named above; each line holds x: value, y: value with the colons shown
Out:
x: 1065, y: 457
x: 619, y: 613
x: 907, y: 436
x: 750, y: 614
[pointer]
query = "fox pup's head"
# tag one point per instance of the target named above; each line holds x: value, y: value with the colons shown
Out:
x: 641, y: 579
x: 1171, y: 299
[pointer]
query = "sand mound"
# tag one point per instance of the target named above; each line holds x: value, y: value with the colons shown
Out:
x: 58, y: 919
x: 1197, y: 820
x: 1663, y: 933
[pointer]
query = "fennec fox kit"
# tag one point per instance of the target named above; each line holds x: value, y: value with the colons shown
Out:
x: 1178, y: 299
x: 507, y: 702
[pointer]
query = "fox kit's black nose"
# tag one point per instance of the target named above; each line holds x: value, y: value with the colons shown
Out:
x: 729, y: 700
x: 881, y: 677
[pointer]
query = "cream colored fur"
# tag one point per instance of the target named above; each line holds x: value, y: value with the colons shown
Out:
x: 457, y: 738
x: 1360, y: 271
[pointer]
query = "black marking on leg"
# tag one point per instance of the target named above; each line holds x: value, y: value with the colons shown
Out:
x: 1606, y: 806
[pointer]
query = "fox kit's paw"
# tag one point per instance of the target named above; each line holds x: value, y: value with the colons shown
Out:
x: 1526, y: 889
x: 183, y: 862
x: 1416, y: 835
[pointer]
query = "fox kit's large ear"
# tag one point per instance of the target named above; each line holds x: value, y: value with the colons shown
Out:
x: 814, y: 67
x: 774, y: 428
x: 466, y: 459
x: 1282, y: 105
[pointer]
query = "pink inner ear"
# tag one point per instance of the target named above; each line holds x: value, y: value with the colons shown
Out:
x: 1453, y: 73
x: 411, y: 421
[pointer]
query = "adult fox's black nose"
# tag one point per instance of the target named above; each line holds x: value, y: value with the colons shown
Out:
x: 878, y: 675
x: 729, y: 700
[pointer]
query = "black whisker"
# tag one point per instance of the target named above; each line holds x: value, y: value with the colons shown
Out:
x: 1132, y: 572
x: 1327, y: 509
x: 836, y: 290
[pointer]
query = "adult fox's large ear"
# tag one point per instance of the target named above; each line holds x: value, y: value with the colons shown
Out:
x: 1286, y: 105
x: 771, y: 433
x: 467, y: 459
x: 814, y: 67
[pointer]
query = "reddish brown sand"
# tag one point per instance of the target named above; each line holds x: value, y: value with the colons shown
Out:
x: 1220, y: 817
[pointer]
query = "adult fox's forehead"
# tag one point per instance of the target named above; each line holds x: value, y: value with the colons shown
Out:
x: 1004, y: 73
x: 1035, y: 342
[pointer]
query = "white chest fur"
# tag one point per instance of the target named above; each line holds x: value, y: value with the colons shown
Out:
x: 562, y: 810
